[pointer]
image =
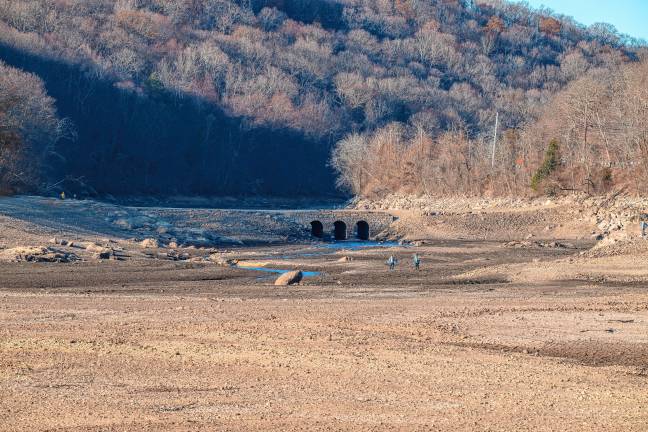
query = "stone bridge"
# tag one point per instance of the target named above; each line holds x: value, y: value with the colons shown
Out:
x: 342, y: 224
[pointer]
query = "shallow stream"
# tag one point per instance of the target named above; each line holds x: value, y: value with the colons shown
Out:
x: 321, y: 250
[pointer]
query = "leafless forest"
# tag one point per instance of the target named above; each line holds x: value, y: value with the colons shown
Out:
x: 437, y: 97
x: 598, y: 128
x: 29, y: 127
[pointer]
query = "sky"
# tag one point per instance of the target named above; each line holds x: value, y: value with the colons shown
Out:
x: 628, y: 16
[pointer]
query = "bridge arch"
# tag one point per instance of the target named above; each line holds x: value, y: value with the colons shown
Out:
x: 362, y: 230
x: 317, y: 229
x: 340, y: 230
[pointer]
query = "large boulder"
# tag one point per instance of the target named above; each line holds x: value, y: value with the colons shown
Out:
x: 149, y: 243
x: 290, y: 278
x: 94, y: 248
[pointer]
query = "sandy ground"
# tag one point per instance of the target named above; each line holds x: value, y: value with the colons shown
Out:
x: 487, y: 336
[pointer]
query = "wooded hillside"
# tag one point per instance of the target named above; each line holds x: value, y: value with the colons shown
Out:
x: 29, y: 128
x: 306, y: 71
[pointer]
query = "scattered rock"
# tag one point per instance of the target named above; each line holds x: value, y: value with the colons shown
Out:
x: 104, y: 255
x: 612, y: 239
x: 554, y: 245
x: 170, y: 255
x: 290, y: 278
x: 60, y: 242
x: 95, y: 248
x: 223, y: 261
x: 183, y: 256
x: 37, y: 254
x: 201, y: 238
x: 518, y: 244
x: 149, y: 243
x: 133, y: 223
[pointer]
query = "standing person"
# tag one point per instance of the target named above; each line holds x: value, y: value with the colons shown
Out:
x: 391, y: 262
x: 417, y: 261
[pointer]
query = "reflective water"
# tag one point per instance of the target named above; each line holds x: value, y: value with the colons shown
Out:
x: 323, y: 249
x: 279, y: 271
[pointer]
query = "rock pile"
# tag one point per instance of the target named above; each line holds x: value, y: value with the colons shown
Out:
x: 37, y: 254
x: 553, y: 245
x: 156, y: 233
x: 101, y: 250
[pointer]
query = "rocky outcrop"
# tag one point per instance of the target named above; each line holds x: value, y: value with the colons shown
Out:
x: 37, y: 254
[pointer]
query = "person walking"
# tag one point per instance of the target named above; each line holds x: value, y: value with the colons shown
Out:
x: 417, y: 261
x: 391, y: 262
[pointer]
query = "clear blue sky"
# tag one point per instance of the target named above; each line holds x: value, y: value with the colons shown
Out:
x: 628, y: 16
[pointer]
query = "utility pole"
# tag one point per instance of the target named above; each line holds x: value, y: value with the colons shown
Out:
x: 494, y: 140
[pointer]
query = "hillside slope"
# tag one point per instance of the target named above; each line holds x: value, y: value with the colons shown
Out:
x: 29, y: 129
x: 215, y: 96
